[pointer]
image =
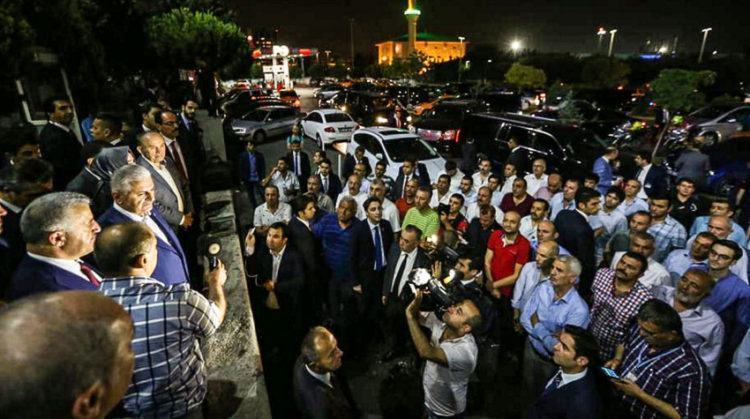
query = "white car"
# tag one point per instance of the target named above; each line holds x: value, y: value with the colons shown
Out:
x: 394, y: 145
x: 327, y: 126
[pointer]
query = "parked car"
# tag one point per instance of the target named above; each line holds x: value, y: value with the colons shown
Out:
x: 441, y: 125
x: 265, y: 122
x: 325, y: 93
x: 568, y: 149
x: 328, y: 126
x: 367, y: 108
x: 291, y: 98
x: 408, y: 96
x: 241, y: 101
x: 715, y: 122
x: 602, y: 121
x: 394, y: 145
x: 500, y: 102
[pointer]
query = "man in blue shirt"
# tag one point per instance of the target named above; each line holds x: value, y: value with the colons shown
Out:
x: 667, y: 231
x: 252, y: 167
x: 730, y: 297
x: 680, y: 260
x: 552, y: 306
x: 720, y: 207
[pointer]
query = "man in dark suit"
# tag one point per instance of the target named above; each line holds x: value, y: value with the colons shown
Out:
x: 409, y: 169
x: 173, y: 198
x: 351, y: 161
x: 59, y: 229
x: 58, y: 143
x: 319, y: 392
x: 517, y: 156
x: 190, y: 139
x: 480, y: 229
x: 300, y: 163
x: 576, y: 235
x: 403, y: 258
x: 302, y: 238
x: 572, y: 391
x: 654, y: 179
x: 370, y: 240
x: 133, y: 196
x: 397, y: 118
x: 330, y: 184
x: 603, y: 168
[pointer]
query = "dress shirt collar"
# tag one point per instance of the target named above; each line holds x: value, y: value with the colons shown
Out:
x: 280, y: 254
x: 583, y: 214
x: 324, y: 378
x: 133, y: 216
x: 7, y: 205
x: 168, y: 141
x: 569, y: 378
x: 372, y: 225
x: 61, y: 126
x: 145, y: 128
x: 646, y: 167
x: 307, y: 224
x: 159, y: 167
x: 70, y: 265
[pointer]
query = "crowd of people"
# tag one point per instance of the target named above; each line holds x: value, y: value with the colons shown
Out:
x: 612, y: 297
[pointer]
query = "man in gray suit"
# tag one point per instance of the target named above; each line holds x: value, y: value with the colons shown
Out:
x: 173, y: 199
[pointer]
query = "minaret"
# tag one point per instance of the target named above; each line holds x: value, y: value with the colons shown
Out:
x: 412, y: 15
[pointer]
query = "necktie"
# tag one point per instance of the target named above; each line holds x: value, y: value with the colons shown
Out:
x: 378, y: 249
x: 89, y: 274
x: 552, y: 386
x: 325, y: 184
x: 403, y: 189
x: 399, y: 274
x: 177, y: 157
x: 297, y: 169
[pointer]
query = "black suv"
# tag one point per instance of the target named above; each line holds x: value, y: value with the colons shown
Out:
x: 367, y: 108
x: 441, y: 125
x: 568, y: 149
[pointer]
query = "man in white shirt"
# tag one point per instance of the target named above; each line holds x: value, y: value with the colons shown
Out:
x: 484, y: 197
x: 656, y: 274
x: 390, y: 211
x: 482, y: 176
x: 633, y: 202
x: 452, y: 170
x: 538, y: 213
x: 271, y: 211
x: 509, y: 172
x: 537, y: 178
x: 354, y: 190
x: 494, y: 185
x: 442, y: 193
x: 565, y: 199
x: 467, y: 190
x: 284, y: 180
x: 361, y: 170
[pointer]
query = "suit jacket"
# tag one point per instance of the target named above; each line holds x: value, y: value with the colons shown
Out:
x: 289, y: 280
x: 518, y: 159
x: 363, y: 249
x: 604, y: 170
x: 350, y: 162
x: 243, y: 166
x: 190, y: 139
x: 577, y: 400
x: 33, y: 276
x: 316, y: 400
x: 655, y: 182
x: 304, y: 162
x: 63, y: 151
x: 398, y: 187
x: 95, y: 188
x: 577, y: 236
x: 304, y: 241
x: 478, y: 237
x: 334, y: 187
x: 16, y: 247
x: 171, y: 262
x: 421, y: 261
x: 166, y: 200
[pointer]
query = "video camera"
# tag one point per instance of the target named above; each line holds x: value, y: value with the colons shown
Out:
x: 440, y: 294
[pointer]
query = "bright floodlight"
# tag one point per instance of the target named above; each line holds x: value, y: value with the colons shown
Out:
x: 601, y: 31
x: 515, y: 45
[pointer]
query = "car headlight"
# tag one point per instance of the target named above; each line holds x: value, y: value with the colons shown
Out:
x: 381, y: 120
x: 408, y: 118
x: 239, y: 130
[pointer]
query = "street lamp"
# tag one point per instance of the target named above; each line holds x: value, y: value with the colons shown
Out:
x: 611, y: 41
x: 601, y: 32
x: 515, y: 46
x: 461, y: 39
x: 703, y: 44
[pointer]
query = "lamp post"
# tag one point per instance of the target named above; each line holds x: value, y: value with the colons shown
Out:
x: 703, y: 44
x: 461, y: 39
x: 611, y: 41
x: 601, y: 34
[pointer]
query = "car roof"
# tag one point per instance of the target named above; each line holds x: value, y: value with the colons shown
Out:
x: 388, y: 133
x: 272, y: 107
x: 328, y: 111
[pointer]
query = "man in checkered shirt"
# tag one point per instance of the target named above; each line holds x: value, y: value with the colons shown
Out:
x: 617, y: 296
x: 667, y: 231
x: 169, y: 379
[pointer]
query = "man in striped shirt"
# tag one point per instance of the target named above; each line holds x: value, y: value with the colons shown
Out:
x: 660, y: 373
x: 169, y: 379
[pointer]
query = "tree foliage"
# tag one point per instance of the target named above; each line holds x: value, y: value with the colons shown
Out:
x: 182, y: 38
x: 604, y: 72
x: 525, y: 77
x: 679, y: 90
x: 16, y: 40
x: 405, y: 68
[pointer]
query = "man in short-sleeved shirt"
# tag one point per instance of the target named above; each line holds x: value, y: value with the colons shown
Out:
x: 507, y: 252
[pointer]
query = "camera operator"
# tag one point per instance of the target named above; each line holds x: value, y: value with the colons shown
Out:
x: 450, y: 352
x: 470, y: 287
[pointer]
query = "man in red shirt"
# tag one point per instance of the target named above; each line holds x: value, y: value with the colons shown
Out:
x: 407, y: 202
x: 517, y: 200
x: 507, y: 252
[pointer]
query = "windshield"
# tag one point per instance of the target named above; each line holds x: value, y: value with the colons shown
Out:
x: 710, y: 112
x: 338, y: 117
x: 288, y: 94
x: 257, y: 115
x: 380, y: 102
x: 502, y: 103
x: 447, y: 112
x: 401, y: 148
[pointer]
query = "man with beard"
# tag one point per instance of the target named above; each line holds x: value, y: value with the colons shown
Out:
x: 565, y: 199
x: 701, y: 326
x: 532, y: 275
x: 529, y: 223
x: 680, y: 260
x: 554, y: 185
x: 638, y: 222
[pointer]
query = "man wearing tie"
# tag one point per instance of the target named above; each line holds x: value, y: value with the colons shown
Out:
x: 571, y: 392
x: 133, y: 196
x: 58, y: 143
x: 330, y: 184
x: 59, y: 229
x: 173, y: 197
x: 169, y: 128
x: 300, y: 163
x: 403, y: 257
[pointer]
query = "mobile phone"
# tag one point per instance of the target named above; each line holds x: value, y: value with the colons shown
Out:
x: 611, y: 373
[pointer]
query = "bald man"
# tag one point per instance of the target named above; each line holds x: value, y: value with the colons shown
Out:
x: 64, y: 355
x: 721, y: 227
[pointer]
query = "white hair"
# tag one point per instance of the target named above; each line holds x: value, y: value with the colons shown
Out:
x: 572, y: 265
x: 49, y: 213
x: 124, y: 177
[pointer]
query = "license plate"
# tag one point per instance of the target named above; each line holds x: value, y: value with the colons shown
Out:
x: 345, y: 129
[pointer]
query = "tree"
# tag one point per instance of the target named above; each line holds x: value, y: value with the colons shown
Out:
x: 604, y: 72
x: 679, y: 90
x: 182, y: 38
x: 317, y: 71
x: 16, y: 40
x: 525, y: 77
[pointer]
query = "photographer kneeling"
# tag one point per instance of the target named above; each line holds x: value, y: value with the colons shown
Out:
x: 451, y: 354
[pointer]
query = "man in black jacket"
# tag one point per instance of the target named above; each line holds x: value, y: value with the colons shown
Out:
x: 300, y: 163
x: 351, y: 161
x: 576, y: 235
x: 572, y: 391
x: 330, y: 184
x: 302, y: 238
x: 480, y: 229
x: 410, y: 169
x: 59, y: 144
x: 319, y: 392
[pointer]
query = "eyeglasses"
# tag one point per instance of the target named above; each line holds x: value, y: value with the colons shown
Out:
x: 719, y: 255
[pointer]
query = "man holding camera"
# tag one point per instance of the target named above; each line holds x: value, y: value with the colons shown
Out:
x: 451, y: 355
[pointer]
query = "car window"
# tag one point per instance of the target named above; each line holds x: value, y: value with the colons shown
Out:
x: 283, y: 113
x: 740, y: 115
x: 546, y: 144
x: 338, y: 117
x: 258, y: 115
x: 512, y: 131
x: 314, y: 117
x: 401, y: 148
x: 455, y: 113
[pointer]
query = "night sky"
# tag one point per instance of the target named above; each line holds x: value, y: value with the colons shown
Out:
x: 559, y: 26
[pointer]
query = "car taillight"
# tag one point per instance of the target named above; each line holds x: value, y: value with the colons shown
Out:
x: 297, y: 103
x: 449, y: 135
x: 329, y: 129
x: 458, y: 134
